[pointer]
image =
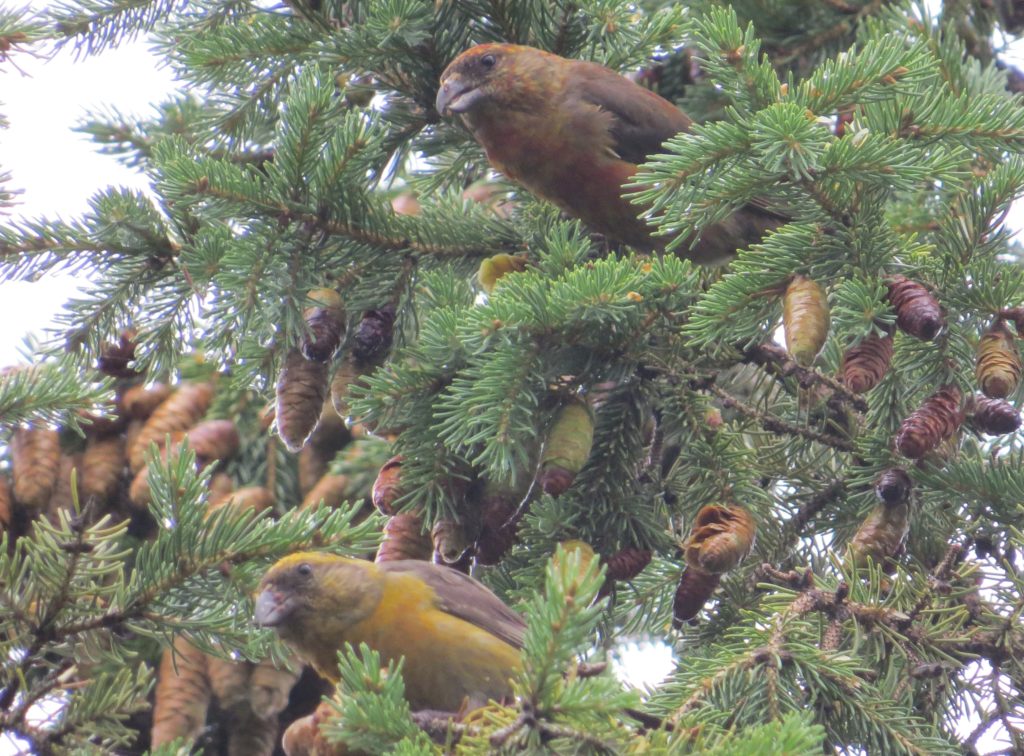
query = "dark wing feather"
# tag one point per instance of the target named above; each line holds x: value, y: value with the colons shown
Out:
x: 641, y: 120
x: 465, y: 598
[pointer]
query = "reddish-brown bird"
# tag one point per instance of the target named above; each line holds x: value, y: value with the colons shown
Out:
x: 572, y: 132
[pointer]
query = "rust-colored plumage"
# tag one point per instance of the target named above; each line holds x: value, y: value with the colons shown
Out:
x: 572, y: 132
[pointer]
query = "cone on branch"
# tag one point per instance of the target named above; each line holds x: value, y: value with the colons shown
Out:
x: 567, y: 448
x: 893, y: 486
x: 114, y: 358
x: 325, y: 321
x: 347, y: 374
x: 865, y: 364
x: 373, y: 335
x: 998, y: 365
x: 330, y: 491
x: 804, y: 319
x: 35, y: 456
x: 139, y: 402
x: 995, y: 417
x: 103, y: 463
x: 301, y: 389
x: 387, y: 486
x: 936, y: 420
x: 254, y: 498
x: 404, y: 538
x: 500, y: 513
x: 6, y: 505
x: 213, y: 440
x: 881, y: 536
x: 917, y: 312
x: 494, y: 267
x: 450, y: 541
x: 627, y: 563
x: 719, y: 540
x: 179, y: 412
x: 182, y: 694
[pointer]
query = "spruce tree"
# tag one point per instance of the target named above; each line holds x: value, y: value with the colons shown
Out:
x: 801, y: 470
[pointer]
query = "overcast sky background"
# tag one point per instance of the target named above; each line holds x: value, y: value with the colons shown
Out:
x: 58, y: 170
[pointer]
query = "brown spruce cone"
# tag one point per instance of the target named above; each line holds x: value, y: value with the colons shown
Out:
x: 139, y: 401
x: 182, y: 694
x: 373, y: 335
x: 35, y: 455
x: 6, y: 505
x: 694, y: 589
x: 179, y: 412
x: 387, y: 487
x: 937, y: 419
x: 103, y: 463
x: 330, y: 489
x: 404, y: 539
x: 301, y: 390
x: 998, y: 365
x: 256, y: 498
x: 995, y: 417
x: 627, y: 563
x: 720, y: 538
x: 804, y: 319
x: 917, y: 311
x: 865, y: 364
x: 881, y: 535
x: 499, y: 518
x: 893, y: 486
x: 450, y: 542
x: 568, y: 447
x: 326, y: 323
x: 350, y: 371
x: 62, y: 498
x: 213, y: 440
x: 114, y: 358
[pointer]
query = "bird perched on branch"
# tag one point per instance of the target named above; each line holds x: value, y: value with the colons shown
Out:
x: 572, y: 132
x: 460, y: 642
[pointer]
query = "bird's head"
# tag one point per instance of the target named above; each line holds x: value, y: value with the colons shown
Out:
x: 489, y: 75
x: 310, y: 590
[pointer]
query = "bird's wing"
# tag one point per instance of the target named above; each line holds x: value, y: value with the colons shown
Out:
x: 641, y: 120
x: 465, y: 598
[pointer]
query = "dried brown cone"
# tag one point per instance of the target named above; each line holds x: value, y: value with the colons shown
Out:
x: 373, y: 335
x: 213, y: 440
x: 404, y: 538
x: 325, y: 321
x: 804, y: 319
x: 220, y: 486
x: 627, y: 563
x: 269, y: 686
x: 179, y: 412
x: 331, y: 434
x: 893, y: 486
x: 35, y: 453
x: 998, y: 365
x: 301, y: 389
x: 256, y: 498
x: 720, y: 538
x: 499, y: 516
x: 387, y: 488
x: 63, y: 497
x: 103, y: 464
x: 449, y: 540
x: 865, y: 365
x: 182, y: 694
x: 139, y: 402
x: 6, y: 505
x: 330, y: 489
x: 881, y: 536
x: 937, y: 419
x: 139, y: 495
x: 114, y: 358
x: 694, y: 589
x: 995, y: 417
x: 568, y: 447
x: 348, y: 373
x: 917, y: 312
x: 303, y: 737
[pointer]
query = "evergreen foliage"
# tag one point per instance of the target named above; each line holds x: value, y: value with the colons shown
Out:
x: 889, y: 137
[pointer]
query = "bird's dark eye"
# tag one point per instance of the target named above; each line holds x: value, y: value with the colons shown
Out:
x: 488, y: 61
x: 305, y: 569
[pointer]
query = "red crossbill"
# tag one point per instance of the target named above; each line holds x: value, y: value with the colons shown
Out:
x: 460, y: 642
x: 572, y: 132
